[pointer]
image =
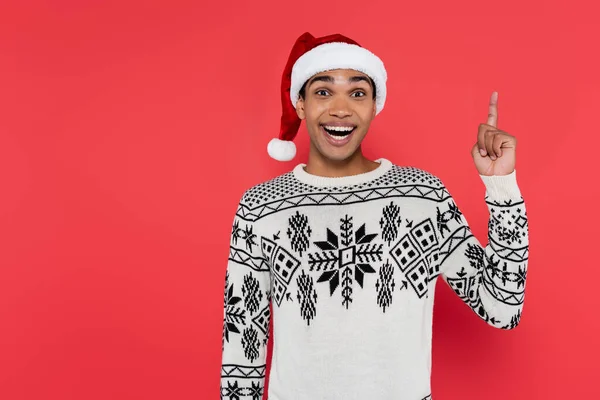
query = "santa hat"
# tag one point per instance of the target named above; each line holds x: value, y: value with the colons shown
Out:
x: 308, y: 57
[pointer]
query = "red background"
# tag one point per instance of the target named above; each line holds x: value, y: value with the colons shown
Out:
x: 129, y: 131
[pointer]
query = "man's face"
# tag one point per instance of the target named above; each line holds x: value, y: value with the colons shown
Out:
x: 338, y: 108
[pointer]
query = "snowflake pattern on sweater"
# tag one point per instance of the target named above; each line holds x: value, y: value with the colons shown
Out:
x: 349, y: 266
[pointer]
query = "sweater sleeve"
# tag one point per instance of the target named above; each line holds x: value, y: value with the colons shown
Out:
x: 490, y: 279
x: 246, y: 313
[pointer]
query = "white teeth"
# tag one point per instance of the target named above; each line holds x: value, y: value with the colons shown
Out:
x: 339, y: 128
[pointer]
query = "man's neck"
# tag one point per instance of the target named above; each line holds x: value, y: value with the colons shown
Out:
x: 353, y: 165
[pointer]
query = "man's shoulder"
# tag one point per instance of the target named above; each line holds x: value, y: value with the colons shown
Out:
x: 269, y: 188
x: 410, y: 174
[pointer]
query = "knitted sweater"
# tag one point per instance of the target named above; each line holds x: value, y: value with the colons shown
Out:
x: 349, y: 266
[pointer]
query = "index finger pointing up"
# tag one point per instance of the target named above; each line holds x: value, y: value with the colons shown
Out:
x: 493, y: 110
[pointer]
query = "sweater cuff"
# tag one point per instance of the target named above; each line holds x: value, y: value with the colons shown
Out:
x: 502, y: 187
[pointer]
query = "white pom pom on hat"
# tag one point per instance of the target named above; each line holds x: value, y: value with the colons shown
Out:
x: 281, y: 150
x: 308, y: 57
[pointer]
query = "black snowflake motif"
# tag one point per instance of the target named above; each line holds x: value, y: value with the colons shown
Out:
x: 507, y: 276
x: 299, y: 231
x: 250, y: 343
x: 512, y: 235
x: 443, y: 218
x: 307, y: 297
x: 232, y: 391
x: 246, y: 234
x: 256, y: 391
x: 252, y: 293
x: 235, y: 392
x: 234, y: 314
x: 390, y: 222
x: 385, y: 285
x: 509, y: 236
x: 521, y: 277
x: 345, y: 258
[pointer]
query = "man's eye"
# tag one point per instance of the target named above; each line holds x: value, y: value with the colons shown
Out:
x: 321, y: 91
x: 362, y: 94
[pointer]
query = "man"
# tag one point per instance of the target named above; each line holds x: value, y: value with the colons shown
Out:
x: 348, y: 250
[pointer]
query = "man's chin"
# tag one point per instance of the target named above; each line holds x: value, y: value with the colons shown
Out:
x: 337, y: 153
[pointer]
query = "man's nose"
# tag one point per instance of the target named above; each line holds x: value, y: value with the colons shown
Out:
x: 340, y: 107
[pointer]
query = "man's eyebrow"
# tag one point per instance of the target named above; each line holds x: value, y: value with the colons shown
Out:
x: 358, y: 78
x: 329, y: 79
x: 323, y: 78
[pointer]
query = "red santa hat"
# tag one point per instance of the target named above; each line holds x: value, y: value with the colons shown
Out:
x: 308, y: 57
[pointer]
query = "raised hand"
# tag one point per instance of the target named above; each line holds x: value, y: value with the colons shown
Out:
x: 495, y: 150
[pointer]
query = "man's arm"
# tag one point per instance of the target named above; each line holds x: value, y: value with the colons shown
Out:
x: 490, y: 279
x: 246, y: 314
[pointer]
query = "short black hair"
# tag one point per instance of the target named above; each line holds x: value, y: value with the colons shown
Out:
x: 302, y: 91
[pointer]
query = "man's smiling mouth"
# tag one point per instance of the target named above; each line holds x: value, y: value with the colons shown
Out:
x: 338, y: 134
x: 338, y: 131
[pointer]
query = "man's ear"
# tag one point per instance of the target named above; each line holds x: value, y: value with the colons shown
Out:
x: 300, y: 108
x: 374, y: 111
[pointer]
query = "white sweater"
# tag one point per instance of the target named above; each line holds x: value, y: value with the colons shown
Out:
x: 349, y: 266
